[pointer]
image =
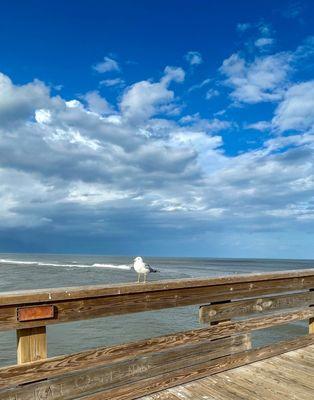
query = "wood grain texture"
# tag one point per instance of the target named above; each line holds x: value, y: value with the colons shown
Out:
x: 86, y: 308
x: 110, y: 375
x: 74, y: 362
x: 131, y: 370
x: 63, y: 365
x: 61, y: 294
x: 31, y: 344
x: 18, y: 374
x: 252, y: 382
x: 240, y: 308
x: 137, y: 389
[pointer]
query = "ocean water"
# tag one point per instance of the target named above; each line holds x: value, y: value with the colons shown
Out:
x: 34, y: 271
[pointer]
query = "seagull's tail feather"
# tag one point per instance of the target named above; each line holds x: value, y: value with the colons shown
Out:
x: 152, y: 269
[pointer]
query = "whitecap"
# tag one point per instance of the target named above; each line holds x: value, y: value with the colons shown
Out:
x: 52, y: 264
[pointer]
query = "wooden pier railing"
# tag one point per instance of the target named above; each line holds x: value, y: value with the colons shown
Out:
x: 131, y: 370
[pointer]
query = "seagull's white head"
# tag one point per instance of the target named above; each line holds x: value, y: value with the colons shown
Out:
x: 138, y: 259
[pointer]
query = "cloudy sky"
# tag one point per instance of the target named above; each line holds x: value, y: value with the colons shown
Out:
x: 157, y: 127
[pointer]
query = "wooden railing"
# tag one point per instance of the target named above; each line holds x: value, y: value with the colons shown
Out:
x: 131, y: 370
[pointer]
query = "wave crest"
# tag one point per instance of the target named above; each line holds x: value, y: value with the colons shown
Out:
x: 73, y: 265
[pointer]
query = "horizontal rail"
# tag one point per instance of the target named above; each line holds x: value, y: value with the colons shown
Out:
x: 135, y: 362
x: 148, y: 298
x: 70, y: 363
x: 119, y: 372
x: 178, y: 377
x: 84, y: 292
x: 241, y: 308
x: 140, y: 379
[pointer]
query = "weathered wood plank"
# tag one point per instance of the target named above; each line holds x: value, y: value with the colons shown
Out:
x: 71, y: 386
x: 134, y: 390
x: 21, y: 374
x: 86, y: 308
x: 74, y: 362
x: 225, y: 388
x: 225, y: 329
x: 62, y: 294
x: 31, y: 344
x: 296, y: 373
x: 279, y: 380
x: 250, y: 383
x: 240, y: 308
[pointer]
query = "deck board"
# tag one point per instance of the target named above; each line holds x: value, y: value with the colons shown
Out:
x: 285, y: 377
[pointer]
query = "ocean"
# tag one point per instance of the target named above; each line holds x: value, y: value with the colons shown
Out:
x: 35, y: 271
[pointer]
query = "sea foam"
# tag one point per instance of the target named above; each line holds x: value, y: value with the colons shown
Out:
x: 73, y: 265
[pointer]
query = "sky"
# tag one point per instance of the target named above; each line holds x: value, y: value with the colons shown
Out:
x: 168, y: 128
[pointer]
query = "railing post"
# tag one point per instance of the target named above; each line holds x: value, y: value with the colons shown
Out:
x: 212, y: 323
x: 311, y: 320
x: 31, y: 344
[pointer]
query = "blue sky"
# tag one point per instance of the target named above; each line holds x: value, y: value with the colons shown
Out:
x: 161, y: 128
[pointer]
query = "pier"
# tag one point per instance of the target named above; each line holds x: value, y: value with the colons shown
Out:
x: 216, y: 361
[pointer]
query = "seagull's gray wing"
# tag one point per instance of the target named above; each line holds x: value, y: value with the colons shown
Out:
x: 150, y: 268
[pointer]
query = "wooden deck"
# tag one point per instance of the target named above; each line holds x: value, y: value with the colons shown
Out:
x: 288, y: 376
x: 219, y: 356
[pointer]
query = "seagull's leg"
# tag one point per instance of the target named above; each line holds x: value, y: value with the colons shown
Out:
x: 138, y: 278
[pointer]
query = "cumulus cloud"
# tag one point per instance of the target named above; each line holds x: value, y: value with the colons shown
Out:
x: 18, y: 103
x: 263, y: 79
x: 296, y: 111
x: 108, y: 64
x: 145, y: 99
x: 74, y: 143
x: 84, y: 167
x: 97, y: 104
x: 194, y: 58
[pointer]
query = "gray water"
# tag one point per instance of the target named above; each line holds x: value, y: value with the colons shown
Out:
x: 34, y: 271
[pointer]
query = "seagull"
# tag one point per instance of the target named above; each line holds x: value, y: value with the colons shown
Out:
x: 142, y: 268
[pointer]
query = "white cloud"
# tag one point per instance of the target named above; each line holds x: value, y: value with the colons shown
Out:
x: 263, y: 79
x: 107, y: 65
x: 75, y: 167
x: 97, y: 104
x: 112, y: 82
x: 259, y: 126
x: 174, y: 74
x: 20, y: 102
x: 43, y: 116
x: 264, y: 41
x: 205, y: 82
x: 211, y: 93
x: 74, y: 104
x: 145, y: 99
x: 296, y: 111
x: 194, y: 58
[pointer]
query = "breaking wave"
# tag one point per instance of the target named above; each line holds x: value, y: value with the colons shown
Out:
x: 68, y: 265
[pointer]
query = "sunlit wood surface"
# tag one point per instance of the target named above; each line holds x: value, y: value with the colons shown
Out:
x: 288, y: 376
